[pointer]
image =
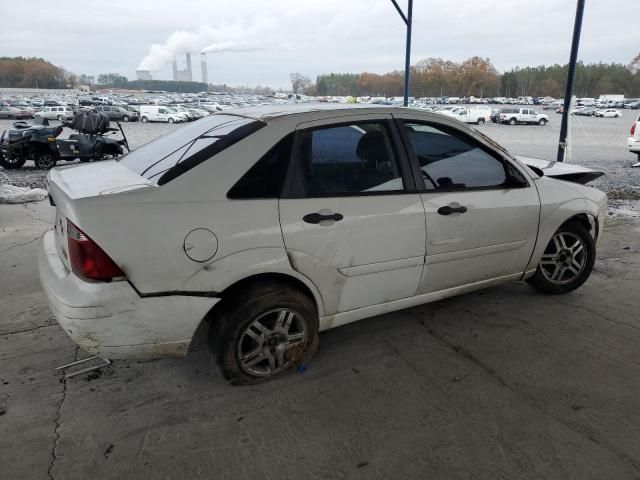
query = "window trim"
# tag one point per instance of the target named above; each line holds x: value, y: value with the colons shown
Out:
x: 295, y: 188
x: 417, y: 170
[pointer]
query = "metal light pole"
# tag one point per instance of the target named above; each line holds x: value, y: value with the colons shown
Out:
x: 568, y: 91
x: 407, y: 59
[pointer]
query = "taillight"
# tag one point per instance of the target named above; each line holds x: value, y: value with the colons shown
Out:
x: 88, y: 260
x: 633, y: 129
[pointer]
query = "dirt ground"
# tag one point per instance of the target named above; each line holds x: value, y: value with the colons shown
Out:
x: 500, y: 384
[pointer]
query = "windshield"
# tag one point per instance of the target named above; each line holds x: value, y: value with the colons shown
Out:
x: 171, y: 155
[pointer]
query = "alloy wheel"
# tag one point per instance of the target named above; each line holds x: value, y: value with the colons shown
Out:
x: 564, y: 259
x: 45, y: 162
x: 272, y: 342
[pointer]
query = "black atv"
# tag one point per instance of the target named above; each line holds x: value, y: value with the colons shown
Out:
x: 39, y: 142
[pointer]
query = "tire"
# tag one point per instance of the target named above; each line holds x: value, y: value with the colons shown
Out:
x: 170, y: 120
x: 513, y: 121
x: 59, y: 117
x: 542, y: 122
x: 125, y: 118
x: 45, y: 161
x: 481, y: 121
x: 144, y: 119
x: 259, y: 319
x: 11, y: 163
x: 571, y: 247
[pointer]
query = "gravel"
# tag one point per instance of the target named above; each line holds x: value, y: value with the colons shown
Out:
x: 598, y: 143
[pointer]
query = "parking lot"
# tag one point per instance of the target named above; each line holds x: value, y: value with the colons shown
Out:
x: 502, y: 383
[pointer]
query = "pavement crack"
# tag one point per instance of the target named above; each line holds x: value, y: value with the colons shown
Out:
x: 20, y: 244
x: 462, y: 351
x: 57, y: 421
x: 28, y: 329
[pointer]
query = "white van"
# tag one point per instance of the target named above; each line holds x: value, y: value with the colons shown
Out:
x: 56, y: 113
x: 160, y: 113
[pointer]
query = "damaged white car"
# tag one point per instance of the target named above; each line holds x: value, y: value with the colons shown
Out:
x: 274, y: 223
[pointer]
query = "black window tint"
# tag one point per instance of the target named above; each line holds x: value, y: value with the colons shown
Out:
x: 171, y: 155
x: 451, y: 161
x: 266, y: 177
x: 348, y: 159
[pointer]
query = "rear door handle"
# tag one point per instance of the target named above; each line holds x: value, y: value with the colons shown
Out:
x: 318, y: 217
x: 448, y: 210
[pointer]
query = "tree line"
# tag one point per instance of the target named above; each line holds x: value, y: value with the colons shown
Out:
x: 21, y: 72
x: 476, y: 76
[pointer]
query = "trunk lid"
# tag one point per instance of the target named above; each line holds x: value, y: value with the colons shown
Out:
x: 68, y: 185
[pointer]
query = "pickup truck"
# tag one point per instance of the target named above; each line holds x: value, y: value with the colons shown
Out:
x: 469, y: 115
x: 514, y: 116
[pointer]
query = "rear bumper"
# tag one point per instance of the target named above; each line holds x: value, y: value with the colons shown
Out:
x: 110, y: 319
x: 633, y: 144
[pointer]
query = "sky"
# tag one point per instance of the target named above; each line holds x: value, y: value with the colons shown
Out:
x: 255, y: 42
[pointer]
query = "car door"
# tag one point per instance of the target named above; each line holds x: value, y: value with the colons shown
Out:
x: 482, y: 210
x: 351, y: 218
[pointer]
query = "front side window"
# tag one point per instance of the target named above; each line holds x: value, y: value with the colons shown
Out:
x: 451, y: 161
x: 171, y: 155
x: 355, y: 158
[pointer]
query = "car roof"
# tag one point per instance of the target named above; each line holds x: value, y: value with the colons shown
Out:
x: 267, y: 113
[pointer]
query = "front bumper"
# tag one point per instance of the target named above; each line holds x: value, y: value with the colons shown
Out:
x: 111, y: 320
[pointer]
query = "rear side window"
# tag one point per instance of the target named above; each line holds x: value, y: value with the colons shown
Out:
x: 171, y: 155
x: 351, y: 159
x: 266, y: 177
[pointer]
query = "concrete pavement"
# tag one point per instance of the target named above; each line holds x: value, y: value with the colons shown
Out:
x: 503, y: 383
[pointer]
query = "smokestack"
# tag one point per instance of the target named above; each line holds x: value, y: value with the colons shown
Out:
x: 175, y: 70
x: 203, y: 67
x: 189, y: 72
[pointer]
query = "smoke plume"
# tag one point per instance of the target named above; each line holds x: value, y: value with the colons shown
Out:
x: 233, y: 37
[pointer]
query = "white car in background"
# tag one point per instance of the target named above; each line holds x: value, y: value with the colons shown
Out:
x: 479, y: 116
x: 56, y: 113
x: 633, y: 142
x: 274, y: 223
x: 608, y: 113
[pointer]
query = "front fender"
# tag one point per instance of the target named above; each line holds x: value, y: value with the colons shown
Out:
x: 559, y: 204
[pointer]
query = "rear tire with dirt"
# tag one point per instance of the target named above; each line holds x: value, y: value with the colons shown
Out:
x: 263, y: 332
x: 566, y: 262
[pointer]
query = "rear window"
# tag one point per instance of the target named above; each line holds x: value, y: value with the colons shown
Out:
x: 171, y: 155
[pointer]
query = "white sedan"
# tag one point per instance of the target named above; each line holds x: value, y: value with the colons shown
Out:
x: 274, y: 223
x: 608, y: 113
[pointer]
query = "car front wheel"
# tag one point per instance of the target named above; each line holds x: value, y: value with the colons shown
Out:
x: 567, y: 261
x: 264, y: 332
x: 542, y: 122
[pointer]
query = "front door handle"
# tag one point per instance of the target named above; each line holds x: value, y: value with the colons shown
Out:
x: 318, y: 217
x: 448, y: 210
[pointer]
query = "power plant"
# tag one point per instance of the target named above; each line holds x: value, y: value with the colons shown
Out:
x: 203, y: 68
x: 143, y: 75
x: 182, y: 75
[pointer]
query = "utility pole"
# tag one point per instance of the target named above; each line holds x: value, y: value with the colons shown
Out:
x: 408, y: 20
x: 568, y: 91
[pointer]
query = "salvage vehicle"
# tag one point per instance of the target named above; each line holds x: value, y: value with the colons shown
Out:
x: 39, y: 142
x: 59, y: 113
x: 608, y: 113
x: 633, y: 142
x: 14, y: 113
x: 515, y: 116
x: 273, y: 223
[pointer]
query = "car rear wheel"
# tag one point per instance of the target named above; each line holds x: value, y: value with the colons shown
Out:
x: 59, y: 117
x: 481, y: 121
x: 125, y: 118
x: 264, y: 332
x: 45, y: 161
x: 567, y: 261
x: 513, y: 121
